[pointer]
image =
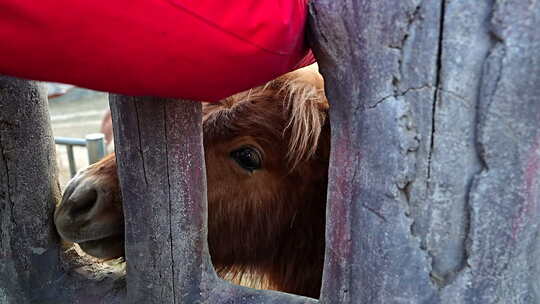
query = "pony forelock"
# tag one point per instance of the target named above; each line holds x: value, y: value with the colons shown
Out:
x: 304, y: 111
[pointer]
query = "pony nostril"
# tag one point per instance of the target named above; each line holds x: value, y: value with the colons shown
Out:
x: 82, y: 203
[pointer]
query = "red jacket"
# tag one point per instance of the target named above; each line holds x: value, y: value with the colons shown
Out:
x: 196, y: 49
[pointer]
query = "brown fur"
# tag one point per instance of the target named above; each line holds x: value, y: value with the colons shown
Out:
x: 266, y: 227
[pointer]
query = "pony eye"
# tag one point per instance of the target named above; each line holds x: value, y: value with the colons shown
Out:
x: 248, y: 158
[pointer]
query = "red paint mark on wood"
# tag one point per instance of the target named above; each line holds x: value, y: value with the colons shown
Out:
x: 530, y: 208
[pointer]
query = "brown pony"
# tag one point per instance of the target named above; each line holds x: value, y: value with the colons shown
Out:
x: 266, y: 153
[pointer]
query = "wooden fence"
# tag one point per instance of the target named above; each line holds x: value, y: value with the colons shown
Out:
x: 434, y: 192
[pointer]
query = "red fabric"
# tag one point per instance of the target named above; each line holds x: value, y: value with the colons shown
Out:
x: 196, y: 49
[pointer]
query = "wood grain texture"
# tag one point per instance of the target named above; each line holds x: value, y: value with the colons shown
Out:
x: 161, y: 169
x: 435, y: 115
x: 28, y: 192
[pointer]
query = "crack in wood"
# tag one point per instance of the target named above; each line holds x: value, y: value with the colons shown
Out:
x: 397, y: 95
x: 436, y: 96
x: 173, y: 264
x: 4, y: 160
x: 436, y: 92
x: 141, y: 152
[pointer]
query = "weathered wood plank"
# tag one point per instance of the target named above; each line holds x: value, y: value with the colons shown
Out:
x: 453, y: 156
x: 435, y: 117
x: 161, y: 169
x: 365, y: 50
x: 503, y: 250
x: 28, y: 193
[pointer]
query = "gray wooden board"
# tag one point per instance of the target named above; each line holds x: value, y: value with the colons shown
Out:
x: 435, y: 112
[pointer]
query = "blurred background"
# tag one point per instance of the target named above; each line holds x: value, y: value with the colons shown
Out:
x: 75, y: 113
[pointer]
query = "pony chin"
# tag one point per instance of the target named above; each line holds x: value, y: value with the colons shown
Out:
x: 107, y: 248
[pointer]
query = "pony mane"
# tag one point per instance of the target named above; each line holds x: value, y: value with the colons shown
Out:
x: 292, y: 106
x: 307, y: 107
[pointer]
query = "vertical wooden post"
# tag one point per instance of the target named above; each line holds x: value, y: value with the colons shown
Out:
x: 28, y: 194
x: 161, y: 168
x: 433, y: 194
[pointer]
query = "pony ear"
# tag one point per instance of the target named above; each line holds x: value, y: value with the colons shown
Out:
x: 306, y: 77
